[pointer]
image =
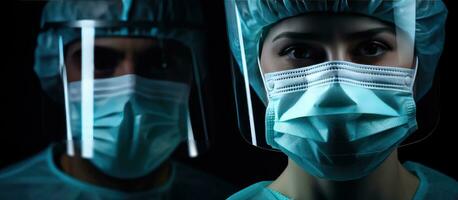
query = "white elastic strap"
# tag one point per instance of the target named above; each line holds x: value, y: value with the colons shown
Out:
x: 63, y: 73
x: 87, y: 90
x: 436, y: 125
x: 245, y: 75
x: 414, y: 75
x: 192, y: 148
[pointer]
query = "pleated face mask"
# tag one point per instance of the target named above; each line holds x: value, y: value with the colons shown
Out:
x: 138, y: 122
x: 339, y: 120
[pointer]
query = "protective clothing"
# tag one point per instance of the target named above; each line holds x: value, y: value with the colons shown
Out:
x: 138, y: 122
x: 433, y: 185
x: 40, y: 178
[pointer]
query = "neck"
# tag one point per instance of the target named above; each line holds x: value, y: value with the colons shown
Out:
x: 84, y: 170
x: 389, y: 181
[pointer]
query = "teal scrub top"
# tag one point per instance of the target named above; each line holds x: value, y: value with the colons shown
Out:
x: 433, y: 186
x: 39, y: 178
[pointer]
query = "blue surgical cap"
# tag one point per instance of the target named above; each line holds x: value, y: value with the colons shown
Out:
x: 257, y: 16
x: 181, y: 20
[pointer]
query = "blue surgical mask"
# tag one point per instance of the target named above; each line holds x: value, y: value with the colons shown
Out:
x: 138, y: 122
x: 339, y: 120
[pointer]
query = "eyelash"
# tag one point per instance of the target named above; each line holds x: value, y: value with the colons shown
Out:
x: 384, y: 44
x: 284, y: 51
x: 378, y: 41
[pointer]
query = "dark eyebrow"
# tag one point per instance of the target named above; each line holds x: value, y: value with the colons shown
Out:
x: 370, y: 33
x: 298, y: 35
x: 320, y: 36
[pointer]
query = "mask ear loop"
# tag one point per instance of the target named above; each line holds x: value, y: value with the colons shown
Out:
x: 63, y: 73
x: 414, y: 75
x: 262, y: 77
x: 436, y: 124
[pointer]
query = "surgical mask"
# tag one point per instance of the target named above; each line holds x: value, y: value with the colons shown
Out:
x: 339, y: 120
x: 138, y: 123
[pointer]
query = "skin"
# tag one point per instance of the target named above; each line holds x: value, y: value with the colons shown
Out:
x: 315, y: 38
x: 116, y: 57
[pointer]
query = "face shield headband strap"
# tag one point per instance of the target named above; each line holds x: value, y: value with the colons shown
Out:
x: 246, y: 78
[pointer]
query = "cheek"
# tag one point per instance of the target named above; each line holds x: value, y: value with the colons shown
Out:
x: 397, y: 60
x: 406, y: 53
x: 73, y: 71
x: 407, y: 60
x: 390, y: 59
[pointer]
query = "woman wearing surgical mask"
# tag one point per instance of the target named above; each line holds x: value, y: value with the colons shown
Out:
x: 123, y: 70
x: 340, y: 80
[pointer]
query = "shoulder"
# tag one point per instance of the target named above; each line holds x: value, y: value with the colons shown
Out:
x: 19, y: 180
x: 192, y: 182
x: 433, y: 183
x: 254, y: 192
x: 35, y: 163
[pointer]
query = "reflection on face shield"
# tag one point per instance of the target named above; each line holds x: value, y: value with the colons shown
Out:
x: 423, y: 21
x: 146, y: 57
x: 316, y: 38
x: 138, y: 97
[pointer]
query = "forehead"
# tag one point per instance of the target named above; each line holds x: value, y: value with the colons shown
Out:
x: 328, y: 23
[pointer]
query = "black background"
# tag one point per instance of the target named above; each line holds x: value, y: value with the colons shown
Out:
x: 32, y: 120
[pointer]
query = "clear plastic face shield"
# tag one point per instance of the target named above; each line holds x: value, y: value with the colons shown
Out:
x: 127, y: 98
x: 291, y: 70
